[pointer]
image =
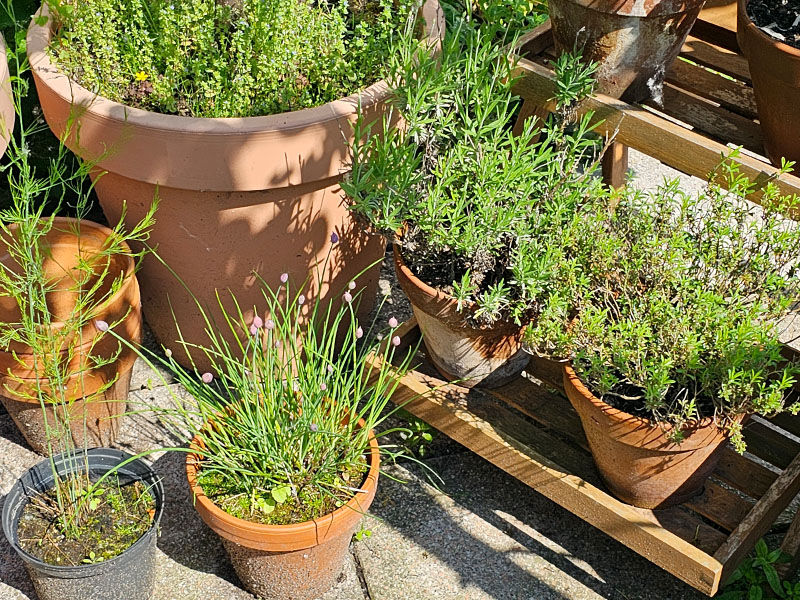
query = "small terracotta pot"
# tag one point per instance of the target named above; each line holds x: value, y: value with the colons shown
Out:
x: 94, y: 420
x: 485, y: 357
x: 239, y: 196
x: 635, y: 41
x: 775, y: 72
x: 7, y: 111
x: 634, y: 456
x: 288, y: 562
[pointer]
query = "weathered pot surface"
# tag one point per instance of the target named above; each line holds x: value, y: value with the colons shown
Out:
x: 484, y: 357
x: 634, y: 41
x: 634, y: 456
x: 240, y: 197
x: 7, y: 111
x: 775, y: 73
x: 95, y: 422
x: 288, y: 562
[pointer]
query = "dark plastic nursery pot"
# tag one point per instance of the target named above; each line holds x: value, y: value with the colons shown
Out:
x: 129, y: 576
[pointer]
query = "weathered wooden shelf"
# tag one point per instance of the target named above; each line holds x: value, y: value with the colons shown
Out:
x: 529, y: 429
x: 708, y: 105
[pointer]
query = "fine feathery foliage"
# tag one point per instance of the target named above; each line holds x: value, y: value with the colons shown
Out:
x: 277, y: 418
x: 678, y: 310
x: 229, y: 58
x: 478, y: 211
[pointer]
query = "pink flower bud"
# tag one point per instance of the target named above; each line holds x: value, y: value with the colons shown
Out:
x: 253, y: 330
x: 392, y: 322
x: 258, y: 322
x: 270, y: 324
x: 301, y: 300
x: 322, y: 386
x: 284, y: 277
x: 347, y: 297
x: 330, y: 368
x: 359, y: 333
x: 168, y: 353
x: 314, y: 427
x: 396, y: 340
x: 101, y: 325
x: 207, y: 377
x: 351, y: 285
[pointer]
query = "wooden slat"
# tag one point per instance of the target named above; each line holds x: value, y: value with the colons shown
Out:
x: 720, y: 13
x: 789, y: 422
x: 536, y: 40
x: 642, y: 530
x: 791, y: 546
x: 717, y: 58
x: 672, y: 144
x: 760, y: 519
x: 722, y: 506
x: 768, y: 444
x: 615, y: 165
x: 709, y: 118
x: 734, y: 96
x: 744, y: 474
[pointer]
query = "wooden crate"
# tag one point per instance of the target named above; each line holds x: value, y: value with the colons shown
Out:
x: 529, y: 429
x: 708, y: 105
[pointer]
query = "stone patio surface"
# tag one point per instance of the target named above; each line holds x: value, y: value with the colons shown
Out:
x: 479, y: 535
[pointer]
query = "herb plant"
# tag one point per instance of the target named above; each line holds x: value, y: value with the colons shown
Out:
x: 478, y: 212
x: 678, y: 310
x: 55, y: 340
x: 231, y: 58
x: 276, y: 421
x: 757, y: 577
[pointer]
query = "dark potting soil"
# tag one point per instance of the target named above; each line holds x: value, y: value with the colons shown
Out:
x: 779, y: 19
x: 116, y: 516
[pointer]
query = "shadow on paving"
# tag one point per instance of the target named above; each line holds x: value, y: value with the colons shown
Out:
x: 563, y: 553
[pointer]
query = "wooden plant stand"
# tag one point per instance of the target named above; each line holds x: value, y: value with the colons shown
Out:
x: 529, y: 429
x: 708, y: 105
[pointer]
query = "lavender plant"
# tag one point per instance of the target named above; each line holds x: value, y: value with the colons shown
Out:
x: 232, y: 58
x: 681, y: 303
x: 479, y: 212
x: 282, y: 421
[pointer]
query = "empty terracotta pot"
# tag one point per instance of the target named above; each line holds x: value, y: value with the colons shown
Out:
x: 7, y: 112
x: 634, y: 456
x: 288, y: 562
x: 94, y: 411
x: 775, y: 72
x: 473, y: 356
x: 634, y: 41
x: 239, y: 196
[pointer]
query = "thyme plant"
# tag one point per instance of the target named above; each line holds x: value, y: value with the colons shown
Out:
x: 55, y: 340
x: 478, y: 211
x: 231, y: 58
x: 681, y: 302
x: 276, y: 421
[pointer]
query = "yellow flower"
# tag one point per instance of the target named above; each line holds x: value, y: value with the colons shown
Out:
x: 141, y: 76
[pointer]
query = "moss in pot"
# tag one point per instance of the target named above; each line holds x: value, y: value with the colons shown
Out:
x: 477, y: 214
x: 674, y: 330
x: 284, y: 458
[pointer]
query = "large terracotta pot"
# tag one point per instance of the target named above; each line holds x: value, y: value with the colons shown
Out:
x: 7, y: 112
x: 634, y: 41
x: 239, y: 196
x: 634, y: 456
x: 94, y: 411
x: 775, y: 72
x: 288, y: 562
x: 473, y: 356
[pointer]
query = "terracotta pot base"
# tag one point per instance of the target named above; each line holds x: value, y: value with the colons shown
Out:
x: 635, y: 457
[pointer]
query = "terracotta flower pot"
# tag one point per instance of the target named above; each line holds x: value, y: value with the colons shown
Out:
x: 7, y: 112
x: 484, y: 357
x: 634, y: 41
x: 775, y: 72
x: 634, y: 456
x: 238, y: 195
x: 96, y: 419
x: 288, y: 562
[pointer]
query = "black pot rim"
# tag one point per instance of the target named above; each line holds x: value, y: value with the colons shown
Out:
x: 10, y: 523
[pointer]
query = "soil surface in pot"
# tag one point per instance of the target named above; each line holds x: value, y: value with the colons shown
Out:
x: 117, y: 515
x: 779, y: 19
x: 284, y: 508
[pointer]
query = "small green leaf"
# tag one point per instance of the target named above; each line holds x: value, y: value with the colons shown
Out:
x: 265, y: 505
x: 755, y: 593
x: 773, y: 580
x: 761, y: 549
x: 281, y: 494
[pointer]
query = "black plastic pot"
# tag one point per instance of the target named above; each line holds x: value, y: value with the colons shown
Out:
x: 129, y: 576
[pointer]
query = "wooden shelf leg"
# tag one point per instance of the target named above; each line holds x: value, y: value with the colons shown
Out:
x: 791, y: 546
x: 615, y: 165
x: 529, y: 109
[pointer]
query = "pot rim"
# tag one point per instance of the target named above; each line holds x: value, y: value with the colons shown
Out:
x: 310, y: 527
x: 38, y: 41
x: 621, y: 415
x: 157, y: 491
x: 753, y: 29
x: 106, y: 232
